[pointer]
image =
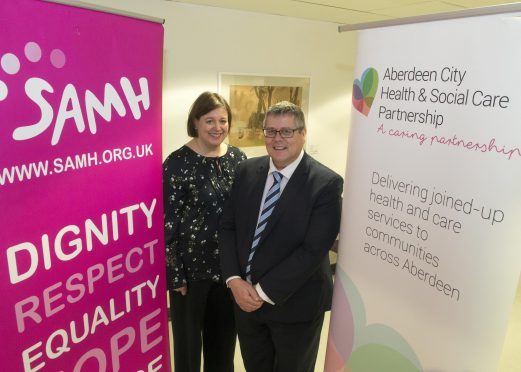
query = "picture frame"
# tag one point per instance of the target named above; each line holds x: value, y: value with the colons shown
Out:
x: 250, y: 96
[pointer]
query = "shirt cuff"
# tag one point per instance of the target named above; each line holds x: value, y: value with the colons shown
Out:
x: 263, y: 295
x: 231, y: 278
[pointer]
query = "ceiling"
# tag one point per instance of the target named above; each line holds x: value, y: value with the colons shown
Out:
x: 347, y: 11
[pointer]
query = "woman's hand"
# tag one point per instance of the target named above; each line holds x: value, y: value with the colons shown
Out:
x: 182, y: 290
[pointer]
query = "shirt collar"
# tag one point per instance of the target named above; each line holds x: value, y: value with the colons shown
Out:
x: 289, y: 169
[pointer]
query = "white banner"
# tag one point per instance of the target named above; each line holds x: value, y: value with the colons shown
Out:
x: 430, y: 250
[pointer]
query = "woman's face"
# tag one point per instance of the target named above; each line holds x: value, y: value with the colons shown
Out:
x: 212, y: 128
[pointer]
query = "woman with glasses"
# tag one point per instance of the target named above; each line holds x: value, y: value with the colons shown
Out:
x: 197, y: 179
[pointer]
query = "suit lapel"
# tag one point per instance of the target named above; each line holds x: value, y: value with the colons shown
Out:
x: 258, y: 183
x: 289, y: 196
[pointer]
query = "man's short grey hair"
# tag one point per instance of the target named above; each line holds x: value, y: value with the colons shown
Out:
x: 287, y: 108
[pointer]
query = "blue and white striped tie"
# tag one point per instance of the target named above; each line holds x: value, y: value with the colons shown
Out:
x: 269, y: 204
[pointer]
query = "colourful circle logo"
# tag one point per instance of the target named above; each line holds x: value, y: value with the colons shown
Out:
x: 364, y: 91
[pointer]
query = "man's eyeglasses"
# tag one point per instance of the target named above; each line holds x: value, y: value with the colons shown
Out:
x: 284, y: 132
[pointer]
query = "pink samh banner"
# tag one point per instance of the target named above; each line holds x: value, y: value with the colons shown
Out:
x: 81, y: 241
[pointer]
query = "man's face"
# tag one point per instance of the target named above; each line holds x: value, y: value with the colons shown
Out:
x: 284, y: 150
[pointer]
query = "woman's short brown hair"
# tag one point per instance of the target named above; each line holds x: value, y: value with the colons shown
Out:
x: 205, y: 103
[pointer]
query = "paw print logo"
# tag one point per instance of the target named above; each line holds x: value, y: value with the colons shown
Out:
x: 11, y: 64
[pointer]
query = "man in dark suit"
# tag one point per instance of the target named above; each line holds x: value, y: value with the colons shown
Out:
x: 282, y: 217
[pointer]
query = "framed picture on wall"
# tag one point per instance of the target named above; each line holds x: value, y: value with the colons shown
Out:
x: 250, y: 96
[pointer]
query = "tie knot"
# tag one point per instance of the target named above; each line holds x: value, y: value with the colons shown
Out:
x: 277, y: 176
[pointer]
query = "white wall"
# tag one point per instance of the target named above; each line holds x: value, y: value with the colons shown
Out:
x: 202, y: 41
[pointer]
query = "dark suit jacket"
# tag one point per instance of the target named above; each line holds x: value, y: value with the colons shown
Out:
x: 291, y: 262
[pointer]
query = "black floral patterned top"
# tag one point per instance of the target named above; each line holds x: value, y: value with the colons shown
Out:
x: 195, y: 189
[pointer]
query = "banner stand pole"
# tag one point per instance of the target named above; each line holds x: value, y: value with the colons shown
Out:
x: 80, y: 4
x: 488, y: 10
